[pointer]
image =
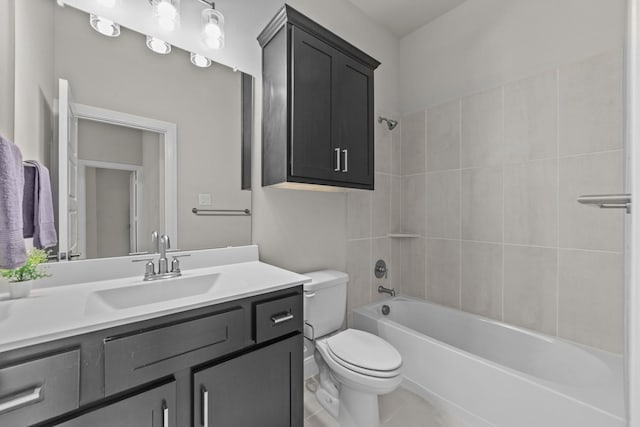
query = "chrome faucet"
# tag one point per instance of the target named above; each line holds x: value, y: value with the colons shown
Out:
x: 162, y: 244
x: 383, y: 290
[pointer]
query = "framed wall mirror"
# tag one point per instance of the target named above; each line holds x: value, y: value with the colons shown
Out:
x: 135, y: 141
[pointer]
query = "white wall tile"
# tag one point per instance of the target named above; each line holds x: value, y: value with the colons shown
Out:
x: 443, y: 137
x: 482, y: 204
x: 531, y: 118
x: 414, y: 268
x: 443, y: 204
x: 481, y: 281
x: 413, y: 143
x: 382, y: 146
x: 381, y: 206
x: 413, y: 214
x: 584, y: 227
x: 531, y: 203
x: 591, y: 104
x: 395, y: 225
x: 530, y: 287
x: 396, y: 150
x: 358, y: 259
x: 443, y: 272
x: 482, y: 130
x: 591, y: 299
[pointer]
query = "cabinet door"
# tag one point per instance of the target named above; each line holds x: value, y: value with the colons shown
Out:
x: 153, y: 408
x: 352, y: 116
x: 312, y: 152
x: 262, y: 388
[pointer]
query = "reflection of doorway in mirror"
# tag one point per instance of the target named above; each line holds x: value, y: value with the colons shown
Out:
x: 109, y: 213
x: 106, y: 143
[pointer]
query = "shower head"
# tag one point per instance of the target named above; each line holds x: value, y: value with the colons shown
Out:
x: 391, y: 124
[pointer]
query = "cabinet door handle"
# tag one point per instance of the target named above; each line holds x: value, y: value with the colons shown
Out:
x: 346, y: 161
x: 337, y: 151
x: 205, y: 407
x: 165, y: 414
x: 24, y: 398
x: 281, y: 318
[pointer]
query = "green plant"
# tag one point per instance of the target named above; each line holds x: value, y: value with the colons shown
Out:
x: 30, y: 270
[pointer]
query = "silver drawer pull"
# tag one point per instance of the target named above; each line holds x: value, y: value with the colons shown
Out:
x: 165, y: 414
x: 346, y: 161
x: 281, y: 318
x: 22, y: 399
x: 337, y: 168
x: 205, y: 407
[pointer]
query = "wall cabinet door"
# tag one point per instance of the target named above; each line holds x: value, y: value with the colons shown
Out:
x: 262, y: 388
x: 153, y: 408
x: 353, y: 119
x: 312, y: 135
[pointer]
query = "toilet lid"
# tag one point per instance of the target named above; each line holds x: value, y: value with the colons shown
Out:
x: 364, y: 350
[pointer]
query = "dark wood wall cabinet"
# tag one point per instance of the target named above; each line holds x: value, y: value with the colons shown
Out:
x: 235, y: 364
x: 317, y: 108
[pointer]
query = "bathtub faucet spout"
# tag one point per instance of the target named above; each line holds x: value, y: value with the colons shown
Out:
x: 383, y: 290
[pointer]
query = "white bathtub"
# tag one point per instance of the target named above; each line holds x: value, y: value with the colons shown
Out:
x: 494, y: 374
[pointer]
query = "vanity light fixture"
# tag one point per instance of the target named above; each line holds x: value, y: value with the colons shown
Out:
x: 158, y: 46
x: 200, y: 60
x: 104, y: 26
x: 167, y: 13
x: 212, y: 26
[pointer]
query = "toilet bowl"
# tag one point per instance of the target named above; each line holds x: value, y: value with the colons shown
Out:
x: 354, y: 366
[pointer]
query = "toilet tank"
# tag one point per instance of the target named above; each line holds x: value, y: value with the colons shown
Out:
x: 325, y: 302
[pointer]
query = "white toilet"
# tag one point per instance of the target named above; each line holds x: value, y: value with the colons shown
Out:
x: 354, y: 366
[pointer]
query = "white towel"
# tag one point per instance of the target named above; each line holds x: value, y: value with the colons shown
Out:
x: 12, y: 249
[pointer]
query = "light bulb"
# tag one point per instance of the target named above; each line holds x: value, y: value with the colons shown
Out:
x: 104, y: 26
x: 212, y: 29
x: 166, y: 13
x: 200, y: 60
x: 158, y: 46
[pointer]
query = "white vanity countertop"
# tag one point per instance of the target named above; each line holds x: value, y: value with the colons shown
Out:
x: 61, y: 311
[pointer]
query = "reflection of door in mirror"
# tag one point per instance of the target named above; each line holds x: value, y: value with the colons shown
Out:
x: 117, y: 169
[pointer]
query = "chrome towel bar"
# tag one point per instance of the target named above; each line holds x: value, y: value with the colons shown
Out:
x: 607, y: 201
x: 221, y: 212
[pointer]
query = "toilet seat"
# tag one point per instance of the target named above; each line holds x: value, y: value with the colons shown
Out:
x: 364, y: 353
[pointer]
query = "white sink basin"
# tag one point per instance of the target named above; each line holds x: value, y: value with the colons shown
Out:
x: 152, y: 292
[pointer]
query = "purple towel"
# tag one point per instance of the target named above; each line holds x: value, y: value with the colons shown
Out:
x: 44, y: 228
x: 12, y: 249
x: 29, y: 201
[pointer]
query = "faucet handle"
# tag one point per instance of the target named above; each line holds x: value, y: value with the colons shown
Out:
x: 175, y: 263
x: 149, y: 267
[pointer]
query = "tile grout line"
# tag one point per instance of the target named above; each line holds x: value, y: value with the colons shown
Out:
x: 503, y: 201
x: 425, y: 243
x: 557, y: 329
x: 460, y: 203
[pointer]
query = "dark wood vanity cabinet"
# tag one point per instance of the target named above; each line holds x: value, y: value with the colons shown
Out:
x: 246, y: 355
x: 152, y: 408
x: 317, y: 106
x: 262, y: 377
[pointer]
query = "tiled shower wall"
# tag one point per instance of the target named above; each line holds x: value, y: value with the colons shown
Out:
x: 489, y: 184
x: 372, y: 216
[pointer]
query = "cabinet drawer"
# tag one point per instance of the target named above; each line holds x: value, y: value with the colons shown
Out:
x: 141, y: 357
x: 278, y: 317
x: 40, y: 389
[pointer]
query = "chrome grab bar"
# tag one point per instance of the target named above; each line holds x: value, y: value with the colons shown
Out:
x: 607, y: 201
x: 22, y: 399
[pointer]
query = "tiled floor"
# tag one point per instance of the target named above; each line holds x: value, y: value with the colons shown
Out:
x: 398, y: 409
